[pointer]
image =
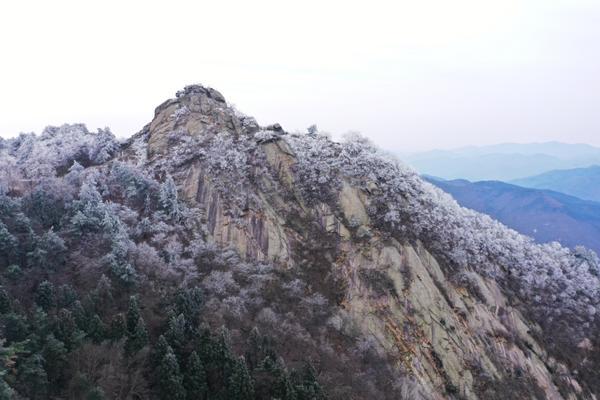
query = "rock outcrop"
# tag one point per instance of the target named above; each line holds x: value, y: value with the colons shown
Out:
x: 447, y: 334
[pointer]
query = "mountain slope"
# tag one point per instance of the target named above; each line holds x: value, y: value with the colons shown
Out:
x: 579, y: 182
x: 304, y: 251
x: 503, y: 162
x: 542, y: 214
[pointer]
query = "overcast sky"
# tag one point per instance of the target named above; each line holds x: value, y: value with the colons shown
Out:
x: 412, y: 75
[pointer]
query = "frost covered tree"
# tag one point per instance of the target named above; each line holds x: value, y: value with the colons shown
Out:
x: 118, y: 258
x: 168, y: 198
x: 409, y: 208
x: 89, y: 209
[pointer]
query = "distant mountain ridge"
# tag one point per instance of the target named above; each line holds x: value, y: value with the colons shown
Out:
x: 503, y: 162
x: 579, y: 182
x: 542, y: 214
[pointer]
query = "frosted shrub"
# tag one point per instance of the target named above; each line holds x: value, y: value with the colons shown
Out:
x: 220, y: 283
x: 55, y: 150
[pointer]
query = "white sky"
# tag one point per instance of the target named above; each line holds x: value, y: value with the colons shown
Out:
x: 411, y: 75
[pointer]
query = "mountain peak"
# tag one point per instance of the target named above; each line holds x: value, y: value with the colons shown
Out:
x: 198, y: 89
x: 341, y: 254
x: 194, y: 116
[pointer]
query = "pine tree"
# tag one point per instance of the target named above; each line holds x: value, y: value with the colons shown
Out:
x: 14, y: 272
x: 45, y: 206
x: 32, y: 376
x: 55, y: 357
x: 103, y: 293
x: 45, y: 296
x: 307, y: 386
x: 8, y: 245
x: 176, y: 334
x: 170, y: 379
x: 189, y: 303
x: 80, y: 315
x: 133, y: 314
x: 37, y: 256
x: 96, y: 329
x: 66, y: 330
x: 9, y: 357
x: 256, y: 346
x: 206, y: 347
x: 118, y: 327
x: 195, y: 380
x: 283, y: 388
x: 15, y: 327
x: 168, y: 199
x: 4, y: 301
x: 280, y: 386
x: 54, y: 249
x: 66, y: 296
x: 90, y: 210
x: 41, y: 322
x: 223, y: 360
x: 6, y: 392
x: 96, y: 394
x: 74, y: 174
x: 118, y: 259
x: 137, y: 339
x: 160, y: 350
x: 240, y: 385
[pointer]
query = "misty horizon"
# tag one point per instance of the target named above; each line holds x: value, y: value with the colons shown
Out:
x: 410, y: 76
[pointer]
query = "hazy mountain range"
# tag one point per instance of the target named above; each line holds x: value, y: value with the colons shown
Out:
x: 542, y: 214
x: 503, y: 162
x: 579, y: 182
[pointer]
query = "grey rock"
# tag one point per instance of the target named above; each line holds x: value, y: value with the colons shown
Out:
x: 216, y: 95
x: 275, y: 128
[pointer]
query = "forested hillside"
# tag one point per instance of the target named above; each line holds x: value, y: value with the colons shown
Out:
x: 208, y: 257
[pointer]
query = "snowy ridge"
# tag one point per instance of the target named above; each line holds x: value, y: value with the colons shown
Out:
x: 559, y: 284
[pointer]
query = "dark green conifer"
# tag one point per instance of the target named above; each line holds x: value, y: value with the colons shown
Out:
x: 45, y: 296
x: 4, y: 301
x: 160, y: 350
x: 176, y: 334
x: 66, y: 330
x: 307, y: 386
x: 32, y: 377
x: 137, y: 339
x: 118, y: 327
x: 55, y: 357
x: 170, y: 379
x: 96, y: 394
x: 195, y: 380
x: 133, y: 314
x: 15, y: 327
x: 96, y: 329
x: 240, y: 385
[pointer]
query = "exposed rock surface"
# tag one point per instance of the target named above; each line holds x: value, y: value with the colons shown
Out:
x: 447, y: 337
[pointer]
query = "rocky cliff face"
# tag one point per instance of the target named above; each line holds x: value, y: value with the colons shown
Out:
x: 442, y: 321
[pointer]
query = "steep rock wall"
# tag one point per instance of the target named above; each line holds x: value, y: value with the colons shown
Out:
x: 457, y: 339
